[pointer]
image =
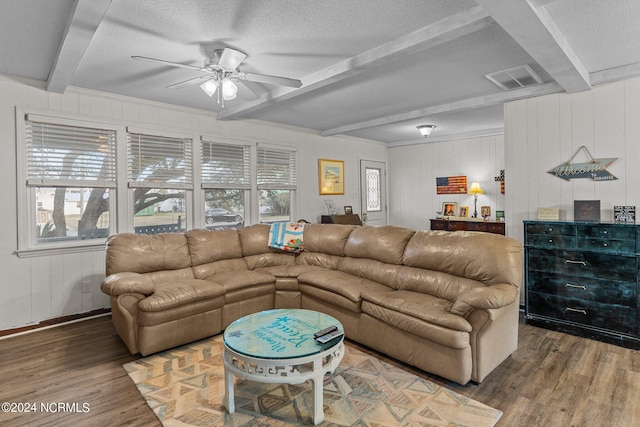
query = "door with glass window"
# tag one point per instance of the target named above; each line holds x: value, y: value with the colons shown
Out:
x: 373, y: 192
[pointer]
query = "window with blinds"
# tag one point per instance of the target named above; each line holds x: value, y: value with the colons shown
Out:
x: 60, y: 155
x: 226, y: 178
x: 277, y: 180
x: 225, y: 165
x: 160, y: 177
x: 70, y: 177
x: 276, y: 168
x: 159, y: 161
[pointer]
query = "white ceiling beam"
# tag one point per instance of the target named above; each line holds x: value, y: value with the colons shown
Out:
x: 615, y: 74
x: 450, y: 137
x: 443, y: 31
x: 85, y: 17
x: 456, y: 106
x: 535, y: 31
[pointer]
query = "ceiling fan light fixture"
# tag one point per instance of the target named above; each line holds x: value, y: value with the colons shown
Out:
x: 229, y: 90
x: 426, y: 130
x: 209, y: 87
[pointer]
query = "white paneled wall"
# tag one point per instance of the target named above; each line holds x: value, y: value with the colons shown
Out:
x: 413, y: 170
x: 543, y: 132
x: 42, y: 287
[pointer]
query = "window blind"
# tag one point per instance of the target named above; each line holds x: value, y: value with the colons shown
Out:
x: 159, y: 162
x: 225, y: 166
x: 69, y: 156
x: 276, y: 168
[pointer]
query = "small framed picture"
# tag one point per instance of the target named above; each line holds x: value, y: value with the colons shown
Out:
x: 485, y: 211
x: 464, y: 211
x: 449, y: 208
x: 348, y: 210
x: 331, y: 206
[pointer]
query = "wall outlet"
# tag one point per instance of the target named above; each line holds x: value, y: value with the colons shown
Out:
x: 86, y: 286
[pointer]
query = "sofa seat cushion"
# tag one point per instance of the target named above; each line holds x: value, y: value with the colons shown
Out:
x: 175, y: 293
x: 338, y: 288
x: 244, y: 284
x: 292, y: 271
x: 421, y: 314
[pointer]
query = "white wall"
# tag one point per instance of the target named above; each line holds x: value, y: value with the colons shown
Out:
x: 42, y: 287
x: 413, y: 170
x: 543, y: 132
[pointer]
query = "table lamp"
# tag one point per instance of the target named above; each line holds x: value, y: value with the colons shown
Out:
x: 475, y: 190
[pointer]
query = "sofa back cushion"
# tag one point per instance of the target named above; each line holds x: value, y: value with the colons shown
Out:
x: 142, y: 253
x: 329, y: 239
x: 254, y: 239
x: 487, y: 258
x: 437, y: 283
x: 381, y: 272
x: 209, y: 246
x: 385, y: 244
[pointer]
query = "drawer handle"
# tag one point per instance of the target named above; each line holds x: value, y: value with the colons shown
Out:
x: 605, y: 245
x: 550, y: 240
x: 569, y: 285
x: 575, y: 310
x: 570, y: 261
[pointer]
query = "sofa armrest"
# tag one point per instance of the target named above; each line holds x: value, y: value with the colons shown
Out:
x: 494, y: 296
x: 122, y: 283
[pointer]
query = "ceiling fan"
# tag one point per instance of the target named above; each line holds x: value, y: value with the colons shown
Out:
x: 222, y: 75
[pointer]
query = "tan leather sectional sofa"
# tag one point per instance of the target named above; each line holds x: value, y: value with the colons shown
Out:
x: 445, y: 302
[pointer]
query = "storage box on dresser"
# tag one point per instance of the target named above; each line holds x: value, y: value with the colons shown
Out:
x: 582, y: 278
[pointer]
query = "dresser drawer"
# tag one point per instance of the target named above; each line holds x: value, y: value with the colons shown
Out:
x: 608, y: 231
x: 607, y: 245
x: 606, y: 316
x: 551, y: 241
x: 551, y: 229
x: 583, y: 264
x: 585, y: 289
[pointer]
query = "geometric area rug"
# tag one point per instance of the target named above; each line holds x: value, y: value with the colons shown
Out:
x: 185, y: 387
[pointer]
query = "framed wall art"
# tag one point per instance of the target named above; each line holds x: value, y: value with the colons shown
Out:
x: 331, y: 176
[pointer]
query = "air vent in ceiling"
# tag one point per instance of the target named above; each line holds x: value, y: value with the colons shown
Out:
x: 514, y: 78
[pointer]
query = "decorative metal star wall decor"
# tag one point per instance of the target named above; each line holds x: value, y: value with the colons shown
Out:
x: 596, y: 169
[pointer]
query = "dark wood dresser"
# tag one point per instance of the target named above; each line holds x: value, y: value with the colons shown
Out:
x: 582, y: 279
x: 462, y: 225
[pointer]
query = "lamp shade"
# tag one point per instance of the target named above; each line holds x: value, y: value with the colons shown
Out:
x: 209, y: 87
x: 229, y: 90
x: 475, y: 189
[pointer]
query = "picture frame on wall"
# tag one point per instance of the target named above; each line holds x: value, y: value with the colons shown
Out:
x: 449, y: 209
x: 464, y: 211
x: 330, y: 176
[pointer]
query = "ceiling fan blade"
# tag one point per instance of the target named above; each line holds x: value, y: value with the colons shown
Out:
x: 231, y: 58
x: 272, y: 80
x: 248, y: 93
x: 189, y: 82
x: 173, y: 64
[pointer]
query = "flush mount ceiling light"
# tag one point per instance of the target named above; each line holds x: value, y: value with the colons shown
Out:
x: 426, y: 130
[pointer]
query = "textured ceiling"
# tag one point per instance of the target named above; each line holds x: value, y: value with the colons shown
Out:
x: 370, y: 68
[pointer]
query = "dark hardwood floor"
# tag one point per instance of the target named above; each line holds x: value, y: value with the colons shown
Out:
x: 552, y: 379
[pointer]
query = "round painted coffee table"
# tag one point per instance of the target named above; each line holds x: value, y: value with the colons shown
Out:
x: 278, y: 346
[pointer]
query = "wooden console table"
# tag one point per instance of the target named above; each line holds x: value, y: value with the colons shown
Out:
x: 353, y: 219
x: 462, y: 225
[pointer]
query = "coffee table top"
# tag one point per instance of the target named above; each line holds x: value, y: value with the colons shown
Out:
x: 279, y: 334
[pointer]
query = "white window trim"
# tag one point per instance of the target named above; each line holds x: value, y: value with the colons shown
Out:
x: 26, y: 194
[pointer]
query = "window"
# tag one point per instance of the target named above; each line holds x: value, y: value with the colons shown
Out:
x: 71, y: 178
x: 373, y: 181
x: 276, y: 173
x: 226, y: 179
x: 160, y: 181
